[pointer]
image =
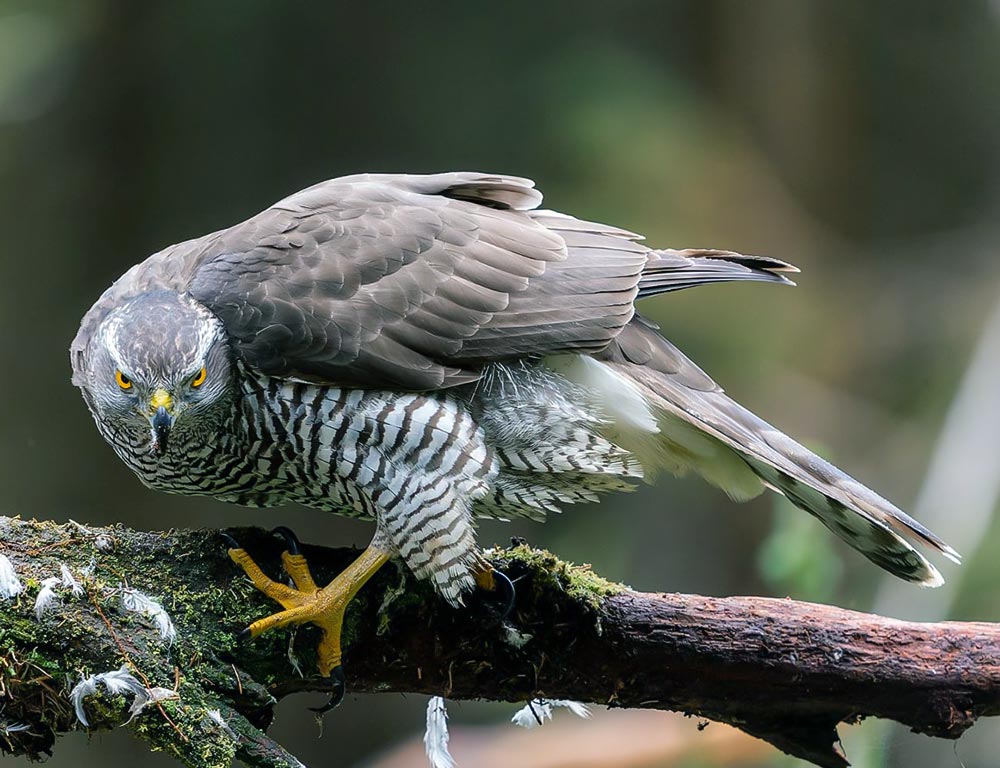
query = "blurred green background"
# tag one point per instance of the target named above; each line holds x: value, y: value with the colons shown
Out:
x: 859, y: 140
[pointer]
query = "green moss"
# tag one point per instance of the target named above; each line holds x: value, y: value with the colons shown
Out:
x: 190, y: 735
x: 209, y: 603
x: 397, y: 599
x: 578, y: 582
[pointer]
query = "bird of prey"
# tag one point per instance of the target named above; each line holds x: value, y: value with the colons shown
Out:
x: 425, y: 350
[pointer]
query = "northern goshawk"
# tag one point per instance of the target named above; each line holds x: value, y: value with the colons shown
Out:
x: 422, y: 351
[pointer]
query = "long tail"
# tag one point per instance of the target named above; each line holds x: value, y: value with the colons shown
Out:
x: 702, y: 429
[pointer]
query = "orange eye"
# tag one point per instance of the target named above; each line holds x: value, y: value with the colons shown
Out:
x: 123, y: 381
x: 198, y: 380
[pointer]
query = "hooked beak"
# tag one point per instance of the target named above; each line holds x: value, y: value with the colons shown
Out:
x: 161, y: 421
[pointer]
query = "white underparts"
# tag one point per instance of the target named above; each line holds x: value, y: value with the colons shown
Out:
x: 659, y: 439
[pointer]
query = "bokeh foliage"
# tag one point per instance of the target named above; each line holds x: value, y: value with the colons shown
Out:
x: 858, y: 140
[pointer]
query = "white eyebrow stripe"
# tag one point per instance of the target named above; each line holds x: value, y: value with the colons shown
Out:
x: 110, y: 332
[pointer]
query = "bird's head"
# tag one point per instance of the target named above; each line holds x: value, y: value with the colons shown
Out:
x: 160, y: 366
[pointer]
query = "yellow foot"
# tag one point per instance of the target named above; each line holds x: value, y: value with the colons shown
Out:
x: 485, y: 579
x: 305, y: 603
x: 490, y: 579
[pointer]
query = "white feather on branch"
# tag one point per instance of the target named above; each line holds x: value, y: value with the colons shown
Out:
x: 137, y: 602
x: 46, y: 598
x: 69, y: 581
x: 117, y: 682
x: 10, y: 585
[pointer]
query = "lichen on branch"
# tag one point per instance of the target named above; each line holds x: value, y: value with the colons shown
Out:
x: 159, y: 614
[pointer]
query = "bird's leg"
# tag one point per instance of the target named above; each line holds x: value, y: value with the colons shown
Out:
x: 489, y: 579
x: 305, y: 603
x: 485, y: 579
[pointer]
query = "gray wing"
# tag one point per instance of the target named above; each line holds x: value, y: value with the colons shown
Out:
x: 415, y: 282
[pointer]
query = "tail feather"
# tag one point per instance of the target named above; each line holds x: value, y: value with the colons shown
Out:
x: 674, y: 270
x: 866, y: 521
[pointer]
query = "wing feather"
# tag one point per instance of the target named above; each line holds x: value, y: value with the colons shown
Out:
x: 434, y: 277
x: 416, y: 282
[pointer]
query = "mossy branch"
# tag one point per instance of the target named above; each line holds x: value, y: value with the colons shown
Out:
x: 785, y: 671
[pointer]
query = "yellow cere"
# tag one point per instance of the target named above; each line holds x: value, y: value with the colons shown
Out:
x: 123, y: 381
x: 199, y: 379
x: 161, y: 398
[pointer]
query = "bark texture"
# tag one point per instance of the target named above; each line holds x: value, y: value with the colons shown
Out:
x: 785, y: 671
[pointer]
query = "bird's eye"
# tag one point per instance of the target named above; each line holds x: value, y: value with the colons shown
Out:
x: 123, y: 381
x: 199, y: 379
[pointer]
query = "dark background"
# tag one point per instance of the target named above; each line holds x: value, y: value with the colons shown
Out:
x: 859, y: 140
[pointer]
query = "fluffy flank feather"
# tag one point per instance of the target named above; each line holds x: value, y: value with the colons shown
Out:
x: 549, y: 437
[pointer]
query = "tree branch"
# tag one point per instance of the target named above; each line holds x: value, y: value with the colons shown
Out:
x: 784, y: 671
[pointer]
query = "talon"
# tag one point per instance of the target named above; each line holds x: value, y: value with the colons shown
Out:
x: 244, y: 634
x: 504, y: 584
x: 230, y: 542
x: 339, y: 689
x: 291, y: 540
x: 305, y: 603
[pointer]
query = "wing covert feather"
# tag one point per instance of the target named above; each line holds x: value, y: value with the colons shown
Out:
x: 415, y: 282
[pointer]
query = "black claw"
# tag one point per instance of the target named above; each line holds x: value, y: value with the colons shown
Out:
x: 229, y: 541
x: 244, y: 634
x: 505, y: 588
x: 291, y: 540
x: 339, y: 689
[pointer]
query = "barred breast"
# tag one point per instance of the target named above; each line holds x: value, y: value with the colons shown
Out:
x: 415, y: 463
x: 518, y: 443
